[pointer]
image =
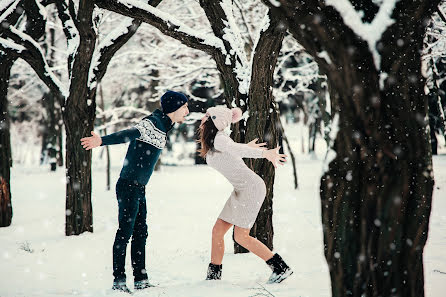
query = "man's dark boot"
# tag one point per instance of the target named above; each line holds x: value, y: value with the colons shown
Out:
x: 143, y: 284
x: 280, y: 270
x: 214, y: 272
x: 121, y: 286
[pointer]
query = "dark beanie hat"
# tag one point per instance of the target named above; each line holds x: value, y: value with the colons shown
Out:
x: 171, y: 101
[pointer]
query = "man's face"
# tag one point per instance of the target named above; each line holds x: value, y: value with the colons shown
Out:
x: 178, y: 115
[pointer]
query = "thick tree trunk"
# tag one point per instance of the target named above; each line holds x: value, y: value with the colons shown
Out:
x: 5, y: 144
x: 79, y: 116
x: 376, y: 194
x: 78, y: 122
x: 263, y: 121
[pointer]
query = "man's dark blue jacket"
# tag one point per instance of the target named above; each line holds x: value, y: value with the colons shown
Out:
x: 147, y: 139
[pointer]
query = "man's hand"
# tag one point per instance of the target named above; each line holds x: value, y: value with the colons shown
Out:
x: 91, y: 142
x: 257, y: 145
x: 274, y: 157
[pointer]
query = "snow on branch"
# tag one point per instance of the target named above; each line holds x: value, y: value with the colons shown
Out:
x: 6, y: 11
x: 7, y: 46
x: 370, y: 32
x: 232, y: 35
x: 240, y: 7
x: 441, y: 14
x: 65, y: 11
x: 42, y: 10
x: 108, y: 47
x: 5, y: 3
x: 34, y: 56
x: 164, y: 22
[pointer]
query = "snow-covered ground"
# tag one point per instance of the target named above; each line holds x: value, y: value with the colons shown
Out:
x: 37, y: 259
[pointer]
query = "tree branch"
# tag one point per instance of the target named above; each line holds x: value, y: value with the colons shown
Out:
x: 167, y: 24
x: 107, y: 49
x: 36, y: 20
x: 324, y: 22
x: 7, y: 9
x: 441, y: 14
x: 27, y: 49
x: 221, y: 21
x: 11, y: 47
x: 250, y: 40
x: 70, y: 30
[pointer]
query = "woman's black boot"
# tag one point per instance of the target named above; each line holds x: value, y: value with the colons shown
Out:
x: 280, y: 270
x: 214, y: 272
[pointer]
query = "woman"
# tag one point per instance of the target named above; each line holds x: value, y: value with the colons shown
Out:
x: 242, y: 207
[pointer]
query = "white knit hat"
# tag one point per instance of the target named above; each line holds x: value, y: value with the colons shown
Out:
x: 223, y: 116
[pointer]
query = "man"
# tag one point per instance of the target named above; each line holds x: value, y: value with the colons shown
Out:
x: 147, y: 139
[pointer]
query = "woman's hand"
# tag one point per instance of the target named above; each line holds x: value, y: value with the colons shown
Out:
x: 257, y: 145
x: 91, y: 142
x: 274, y: 157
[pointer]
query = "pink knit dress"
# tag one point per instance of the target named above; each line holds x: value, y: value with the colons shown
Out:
x: 245, y: 201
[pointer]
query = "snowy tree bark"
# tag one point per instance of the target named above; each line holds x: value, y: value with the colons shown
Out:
x: 79, y: 113
x: 376, y: 194
x: 263, y: 120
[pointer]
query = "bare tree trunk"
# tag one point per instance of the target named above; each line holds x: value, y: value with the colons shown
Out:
x: 263, y: 121
x: 79, y: 113
x: 5, y: 144
x: 376, y: 195
x: 79, y: 118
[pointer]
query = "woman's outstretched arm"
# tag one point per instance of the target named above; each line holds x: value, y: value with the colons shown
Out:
x: 224, y: 143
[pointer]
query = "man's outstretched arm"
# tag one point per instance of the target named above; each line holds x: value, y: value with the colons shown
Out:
x: 123, y: 136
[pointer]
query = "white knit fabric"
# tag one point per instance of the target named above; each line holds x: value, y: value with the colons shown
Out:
x: 151, y: 134
x: 245, y: 201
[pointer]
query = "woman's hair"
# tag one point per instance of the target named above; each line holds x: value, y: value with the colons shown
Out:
x: 206, y: 136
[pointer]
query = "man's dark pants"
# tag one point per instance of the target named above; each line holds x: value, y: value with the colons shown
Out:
x: 132, y: 223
